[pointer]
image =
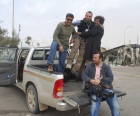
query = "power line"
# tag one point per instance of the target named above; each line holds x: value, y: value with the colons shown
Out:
x: 81, y: 11
x: 63, y: 14
x: 54, y: 18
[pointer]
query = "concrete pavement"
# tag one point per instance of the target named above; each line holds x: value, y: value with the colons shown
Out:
x: 127, y: 79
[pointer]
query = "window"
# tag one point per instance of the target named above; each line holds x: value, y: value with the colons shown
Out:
x: 12, y: 57
x: 24, y: 53
x: 38, y: 55
x: 47, y: 55
x: 6, y: 52
x: 56, y: 56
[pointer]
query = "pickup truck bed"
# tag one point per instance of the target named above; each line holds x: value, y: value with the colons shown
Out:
x: 71, y: 86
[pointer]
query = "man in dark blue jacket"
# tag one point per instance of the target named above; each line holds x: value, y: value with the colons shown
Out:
x: 93, y: 73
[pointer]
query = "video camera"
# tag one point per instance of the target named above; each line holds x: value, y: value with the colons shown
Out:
x: 98, y: 90
x: 107, y: 94
x: 104, y: 84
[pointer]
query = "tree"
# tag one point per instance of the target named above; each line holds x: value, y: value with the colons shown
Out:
x: 28, y: 39
x: 5, y: 40
x: 14, y: 41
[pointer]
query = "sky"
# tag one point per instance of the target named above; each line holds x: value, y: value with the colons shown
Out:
x: 39, y: 18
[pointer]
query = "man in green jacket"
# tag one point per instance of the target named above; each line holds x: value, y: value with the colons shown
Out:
x: 60, y: 42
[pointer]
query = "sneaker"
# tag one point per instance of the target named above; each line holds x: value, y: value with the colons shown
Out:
x: 50, y: 68
x: 68, y: 66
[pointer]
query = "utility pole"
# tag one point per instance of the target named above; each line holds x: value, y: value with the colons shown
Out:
x: 44, y: 42
x: 125, y: 32
x: 13, y: 21
x: 137, y: 40
x: 19, y: 31
x: 18, y: 34
x: 129, y: 41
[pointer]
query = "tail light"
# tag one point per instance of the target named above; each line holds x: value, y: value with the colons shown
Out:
x: 58, y: 89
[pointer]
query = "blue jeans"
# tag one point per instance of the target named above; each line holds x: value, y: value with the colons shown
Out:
x: 62, y: 56
x: 112, y: 102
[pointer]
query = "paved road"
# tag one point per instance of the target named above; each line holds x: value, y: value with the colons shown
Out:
x: 127, y: 79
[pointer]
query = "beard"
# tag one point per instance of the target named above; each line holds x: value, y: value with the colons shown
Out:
x: 96, y: 62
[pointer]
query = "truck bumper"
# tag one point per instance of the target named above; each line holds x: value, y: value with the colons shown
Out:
x: 63, y: 106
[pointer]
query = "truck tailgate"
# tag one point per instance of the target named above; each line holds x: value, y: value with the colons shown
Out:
x: 82, y: 99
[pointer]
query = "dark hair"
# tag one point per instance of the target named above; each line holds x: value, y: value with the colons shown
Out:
x: 89, y: 12
x: 70, y: 15
x: 100, y: 54
x: 101, y: 18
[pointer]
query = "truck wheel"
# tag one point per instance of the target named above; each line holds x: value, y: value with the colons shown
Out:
x: 32, y: 99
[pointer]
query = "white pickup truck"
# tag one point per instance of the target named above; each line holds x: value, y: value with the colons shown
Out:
x: 42, y: 88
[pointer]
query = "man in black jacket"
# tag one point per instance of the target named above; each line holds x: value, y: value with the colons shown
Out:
x: 93, y: 73
x: 94, y: 37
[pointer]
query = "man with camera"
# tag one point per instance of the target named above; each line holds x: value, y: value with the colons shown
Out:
x: 93, y: 74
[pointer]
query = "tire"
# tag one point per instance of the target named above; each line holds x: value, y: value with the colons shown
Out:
x: 32, y: 99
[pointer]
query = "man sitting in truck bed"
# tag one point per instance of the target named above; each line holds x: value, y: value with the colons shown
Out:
x: 93, y: 73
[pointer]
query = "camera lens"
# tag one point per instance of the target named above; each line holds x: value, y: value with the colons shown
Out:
x: 111, y: 95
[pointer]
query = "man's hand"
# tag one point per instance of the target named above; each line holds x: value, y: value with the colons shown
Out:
x: 61, y: 49
x: 78, y: 33
x: 95, y: 81
x: 102, y: 26
x: 71, y: 41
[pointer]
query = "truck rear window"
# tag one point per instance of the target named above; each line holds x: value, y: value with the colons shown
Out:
x: 47, y: 55
x: 43, y: 55
x: 38, y: 55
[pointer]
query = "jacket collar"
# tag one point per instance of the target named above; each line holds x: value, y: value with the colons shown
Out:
x: 103, y: 65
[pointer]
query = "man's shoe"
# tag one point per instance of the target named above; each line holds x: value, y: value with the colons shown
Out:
x: 75, y: 68
x: 50, y: 68
x: 68, y: 66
